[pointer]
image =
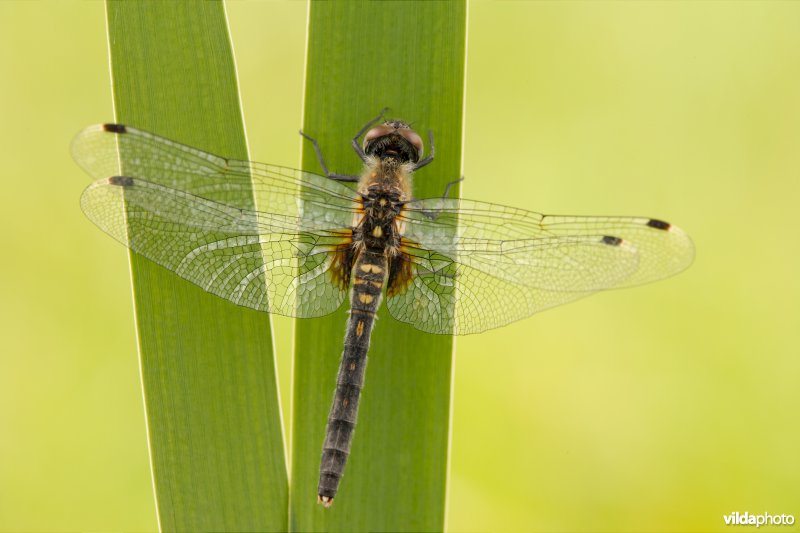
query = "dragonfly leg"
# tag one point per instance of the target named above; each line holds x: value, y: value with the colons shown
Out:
x: 446, y: 192
x: 321, y: 159
x: 433, y: 215
x: 428, y: 159
x: 362, y: 131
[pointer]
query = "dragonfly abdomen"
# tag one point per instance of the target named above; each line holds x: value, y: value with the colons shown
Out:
x: 369, y: 276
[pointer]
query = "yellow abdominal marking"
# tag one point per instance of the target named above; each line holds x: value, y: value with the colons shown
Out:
x: 359, y: 332
x: 377, y: 232
x: 362, y: 281
x: 365, y: 298
x: 375, y: 269
x: 382, y: 202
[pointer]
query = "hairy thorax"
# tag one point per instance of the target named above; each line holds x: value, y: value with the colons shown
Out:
x: 385, y: 186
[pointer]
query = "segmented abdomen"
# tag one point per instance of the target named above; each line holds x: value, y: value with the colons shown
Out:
x: 369, y: 275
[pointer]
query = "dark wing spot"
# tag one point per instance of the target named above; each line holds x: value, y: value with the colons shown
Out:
x: 611, y: 241
x: 114, y: 128
x: 658, y: 224
x: 121, y: 181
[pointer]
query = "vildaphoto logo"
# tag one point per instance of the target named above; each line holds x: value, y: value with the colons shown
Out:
x: 746, y: 519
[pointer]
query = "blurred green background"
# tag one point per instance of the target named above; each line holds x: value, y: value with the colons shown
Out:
x: 660, y: 408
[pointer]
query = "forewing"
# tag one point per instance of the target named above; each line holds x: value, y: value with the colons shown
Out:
x: 310, y: 201
x: 477, y: 266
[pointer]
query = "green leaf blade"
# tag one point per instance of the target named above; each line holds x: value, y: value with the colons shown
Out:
x: 208, y: 372
x: 363, y: 56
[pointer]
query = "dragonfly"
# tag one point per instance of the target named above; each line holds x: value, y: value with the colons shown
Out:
x: 296, y: 243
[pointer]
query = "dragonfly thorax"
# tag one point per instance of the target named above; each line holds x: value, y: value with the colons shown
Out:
x: 388, y: 177
x: 377, y: 228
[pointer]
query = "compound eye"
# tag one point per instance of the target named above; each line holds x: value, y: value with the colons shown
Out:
x: 376, y: 132
x: 412, y: 137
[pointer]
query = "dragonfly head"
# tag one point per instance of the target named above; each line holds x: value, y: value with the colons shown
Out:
x: 395, y: 139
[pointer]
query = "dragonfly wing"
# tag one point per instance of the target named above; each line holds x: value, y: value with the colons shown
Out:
x: 313, y: 201
x: 549, y: 251
x: 259, y: 260
x: 476, y: 266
